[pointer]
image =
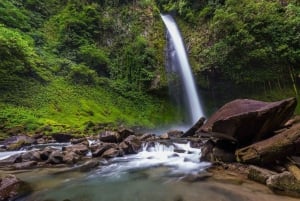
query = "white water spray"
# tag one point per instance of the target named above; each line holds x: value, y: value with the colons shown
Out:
x: 180, y: 60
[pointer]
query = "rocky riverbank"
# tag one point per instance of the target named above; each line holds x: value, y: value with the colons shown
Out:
x: 257, y: 140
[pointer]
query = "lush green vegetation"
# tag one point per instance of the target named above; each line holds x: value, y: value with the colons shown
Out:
x: 67, y: 63
x: 70, y: 63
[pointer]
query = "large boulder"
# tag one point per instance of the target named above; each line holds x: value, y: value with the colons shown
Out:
x: 18, y: 141
x: 109, y: 136
x: 249, y: 120
x: 131, y: 145
x: 11, y: 187
x: 80, y: 149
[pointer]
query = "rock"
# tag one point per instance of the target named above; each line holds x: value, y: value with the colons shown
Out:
x: 11, y: 187
x: 79, y: 149
x: 259, y: 174
x: 109, y: 136
x: 131, y: 145
x: 112, y: 153
x: 98, y: 150
x: 61, y: 137
x: 249, y: 120
x: 275, y: 148
x: 31, y: 156
x: 284, y: 183
x: 194, y: 128
x: 56, y: 157
x: 213, y: 152
x: 45, y: 153
x: 146, y: 136
x: 88, y: 165
x: 164, y: 136
x: 41, y: 141
x: 16, y: 142
x: 24, y: 165
x: 171, y: 135
x: 78, y: 141
x: 124, y: 133
x: 70, y: 158
x: 17, y: 158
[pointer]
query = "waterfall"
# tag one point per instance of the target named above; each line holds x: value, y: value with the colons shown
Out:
x: 178, y: 63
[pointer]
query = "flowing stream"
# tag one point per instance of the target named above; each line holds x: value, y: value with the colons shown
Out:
x: 178, y: 63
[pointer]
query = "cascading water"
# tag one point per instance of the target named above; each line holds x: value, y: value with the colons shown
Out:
x: 178, y: 63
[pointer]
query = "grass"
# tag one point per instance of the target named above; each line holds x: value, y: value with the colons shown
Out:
x: 67, y: 106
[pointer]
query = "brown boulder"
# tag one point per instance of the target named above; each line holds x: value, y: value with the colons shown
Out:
x: 98, y: 149
x: 79, y: 149
x: 12, y: 187
x: 112, y: 153
x: 124, y: 133
x: 249, y: 120
x: 131, y: 145
x: 109, y: 136
x: 284, y: 183
x: 16, y: 142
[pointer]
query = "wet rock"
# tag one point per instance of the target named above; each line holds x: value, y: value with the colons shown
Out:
x: 146, y: 136
x: 259, y: 174
x: 79, y: 149
x: 25, y: 165
x: 70, y: 158
x: 17, y: 158
x: 194, y: 128
x: 56, y: 157
x: 109, y: 136
x: 275, y: 148
x: 213, y: 152
x: 131, y: 145
x: 124, y: 133
x: 31, y: 156
x: 249, y: 120
x: 89, y: 165
x: 284, y: 183
x: 112, y: 153
x: 16, y: 142
x: 11, y: 187
x: 41, y: 141
x: 45, y: 153
x: 61, y: 137
x: 99, y: 149
x: 79, y: 141
x: 171, y: 135
x: 164, y: 136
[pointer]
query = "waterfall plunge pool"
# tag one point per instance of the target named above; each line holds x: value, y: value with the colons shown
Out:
x: 158, y: 173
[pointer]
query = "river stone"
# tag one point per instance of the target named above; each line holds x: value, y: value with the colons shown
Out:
x: 284, y: 183
x: 31, y: 156
x: 131, y: 145
x: 109, y: 136
x: 56, y: 157
x: 17, y: 158
x: 112, y: 153
x: 79, y: 149
x: 249, y: 120
x: 98, y: 149
x: 24, y: 165
x: 70, y: 158
x: 124, y: 133
x: 11, y: 187
x: 147, y: 136
x: 61, y: 137
x: 16, y: 142
x: 89, y: 165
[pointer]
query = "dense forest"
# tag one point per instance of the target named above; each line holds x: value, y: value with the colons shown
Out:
x: 71, y: 63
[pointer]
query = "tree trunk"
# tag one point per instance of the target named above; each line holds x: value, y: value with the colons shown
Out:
x: 271, y: 149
